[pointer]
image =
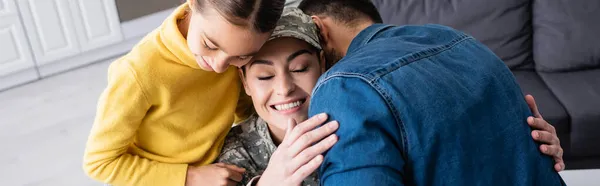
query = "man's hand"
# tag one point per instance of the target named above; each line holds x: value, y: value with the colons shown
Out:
x: 218, y: 174
x: 296, y: 157
x: 545, y: 134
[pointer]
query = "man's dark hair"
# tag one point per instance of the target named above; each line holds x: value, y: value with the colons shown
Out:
x: 347, y: 11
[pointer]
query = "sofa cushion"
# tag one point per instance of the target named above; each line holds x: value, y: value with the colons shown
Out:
x: 582, y: 163
x: 579, y: 92
x: 504, y: 26
x: 552, y: 110
x: 566, y: 34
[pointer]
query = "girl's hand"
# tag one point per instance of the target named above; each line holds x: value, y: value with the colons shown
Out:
x: 218, y: 174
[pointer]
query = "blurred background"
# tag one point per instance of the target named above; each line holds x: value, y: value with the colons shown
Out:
x: 54, y: 56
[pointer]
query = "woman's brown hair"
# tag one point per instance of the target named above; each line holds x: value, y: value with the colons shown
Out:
x: 261, y: 15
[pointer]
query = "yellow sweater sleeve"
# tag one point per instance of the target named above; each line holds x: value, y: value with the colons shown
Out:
x: 121, y: 108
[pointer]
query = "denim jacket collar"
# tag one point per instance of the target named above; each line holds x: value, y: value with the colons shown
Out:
x: 365, y: 36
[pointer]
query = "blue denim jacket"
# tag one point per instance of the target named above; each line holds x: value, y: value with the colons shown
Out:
x: 427, y: 105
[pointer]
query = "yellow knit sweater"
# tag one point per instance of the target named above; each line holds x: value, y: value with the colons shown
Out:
x: 161, y: 112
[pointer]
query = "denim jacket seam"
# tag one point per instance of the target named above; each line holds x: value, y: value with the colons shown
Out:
x: 336, y: 75
x: 369, y: 36
x: 414, y: 57
x: 374, y: 33
x: 395, y: 112
x: 382, y: 94
x: 406, y: 60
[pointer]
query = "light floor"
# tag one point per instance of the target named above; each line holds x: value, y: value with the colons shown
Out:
x: 44, y: 127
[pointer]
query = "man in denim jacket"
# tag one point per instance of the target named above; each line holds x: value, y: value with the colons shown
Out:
x: 419, y: 105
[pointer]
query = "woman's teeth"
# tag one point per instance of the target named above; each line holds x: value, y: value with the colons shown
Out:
x: 288, y: 105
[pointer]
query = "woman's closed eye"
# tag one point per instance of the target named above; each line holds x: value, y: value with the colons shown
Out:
x: 264, y: 78
x: 304, y: 69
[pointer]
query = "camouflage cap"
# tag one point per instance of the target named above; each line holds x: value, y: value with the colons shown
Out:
x: 294, y: 23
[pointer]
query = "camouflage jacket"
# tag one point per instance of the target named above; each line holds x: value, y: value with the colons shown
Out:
x: 249, y: 145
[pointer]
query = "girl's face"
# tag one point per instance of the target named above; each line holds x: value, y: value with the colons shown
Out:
x: 216, y: 43
x: 280, y: 79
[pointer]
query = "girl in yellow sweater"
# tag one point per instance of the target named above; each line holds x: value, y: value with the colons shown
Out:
x: 168, y: 105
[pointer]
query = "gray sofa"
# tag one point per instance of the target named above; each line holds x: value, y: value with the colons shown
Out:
x: 552, y: 47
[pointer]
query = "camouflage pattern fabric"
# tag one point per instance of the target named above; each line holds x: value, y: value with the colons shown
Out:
x: 294, y: 23
x: 249, y: 145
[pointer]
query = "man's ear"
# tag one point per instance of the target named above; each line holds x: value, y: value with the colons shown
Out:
x: 323, y: 63
x: 323, y: 29
x: 243, y: 78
